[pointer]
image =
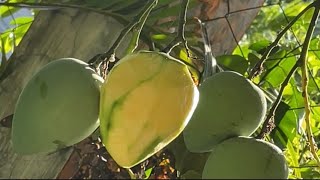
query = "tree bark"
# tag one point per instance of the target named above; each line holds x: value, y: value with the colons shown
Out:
x: 80, y: 34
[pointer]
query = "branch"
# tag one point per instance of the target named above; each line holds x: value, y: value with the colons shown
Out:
x: 180, y: 38
x: 268, y: 124
x: 63, y: 5
x: 305, y: 80
x: 110, y: 54
x: 137, y: 31
x: 256, y: 70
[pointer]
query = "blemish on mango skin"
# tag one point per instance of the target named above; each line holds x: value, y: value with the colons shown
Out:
x: 43, y: 90
x: 43, y: 87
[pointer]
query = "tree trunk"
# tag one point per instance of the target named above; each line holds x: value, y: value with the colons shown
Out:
x: 79, y: 34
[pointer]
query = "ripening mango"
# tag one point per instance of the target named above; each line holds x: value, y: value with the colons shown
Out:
x: 146, y: 101
x: 58, y: 107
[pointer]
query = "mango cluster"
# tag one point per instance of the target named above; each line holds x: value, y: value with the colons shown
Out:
x: 230, y: 109
x: 145, y: 102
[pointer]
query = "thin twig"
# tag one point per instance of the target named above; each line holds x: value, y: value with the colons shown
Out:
x: 180, y: 38
x: 131, y: 174
x: 278, y: 63
x: 305, y: 80
x: 257, y: 69
x: 305, y: 166
x: 137, y: 31
x: 312, y: 106
x: 110, y: 54
x: 268, y: 124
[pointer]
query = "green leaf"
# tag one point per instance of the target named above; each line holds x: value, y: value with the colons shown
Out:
x: 8, y: 44
x: 294, y: 158
x: 184, y: 57
x: 148, y: 173
x: 285, y: 125
x: 159, y: 37
x: 243, y: 49
x: 233, y: 62
x: 258, y: 46
x: 277, y: 75
x: 138, y: 28
x: 288, y: 125
x: 310, y: 173
x: 315, y: 115
x: 6, y: 11
x: 253, y: 59
x: 21, y: 20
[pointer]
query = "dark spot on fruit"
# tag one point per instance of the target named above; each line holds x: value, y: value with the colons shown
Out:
x: 234, y: 124
x: 43, y: 90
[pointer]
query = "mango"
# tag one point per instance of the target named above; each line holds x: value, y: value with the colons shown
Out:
x: 246, y: 158
x: 230, y: 105
x: 58, y: 107
x: 146, y: 101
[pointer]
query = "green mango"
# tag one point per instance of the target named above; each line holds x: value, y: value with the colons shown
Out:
x: 58, y: 107
x: 246, y: 158
x: 230, y: 105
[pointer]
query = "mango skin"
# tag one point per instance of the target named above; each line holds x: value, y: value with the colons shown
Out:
x: 146, y: 101
x: 230, y: 105
x: 246, y: 158
x: 58, y: 107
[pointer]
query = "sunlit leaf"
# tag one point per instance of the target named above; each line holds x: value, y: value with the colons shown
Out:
x: 6, y: 11
x: 294, y: 158
x: 184, y: 57
x: 315, y: 112
x: 241, y: 51
x: 258, y: 46
x: 8, y: 44
x: 21, y: 20
x: 277, y: 75
x: 310, y: 173
x: 292, y: 95
x: 288, y: 125
x: 233, y: 62
x: 159, y: 37
x: 148, y: 173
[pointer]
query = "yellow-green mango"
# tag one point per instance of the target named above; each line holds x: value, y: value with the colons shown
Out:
x: 58, y: 107
x: 245, y: 158
x: 229, y: 105
x: 146, y: 101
